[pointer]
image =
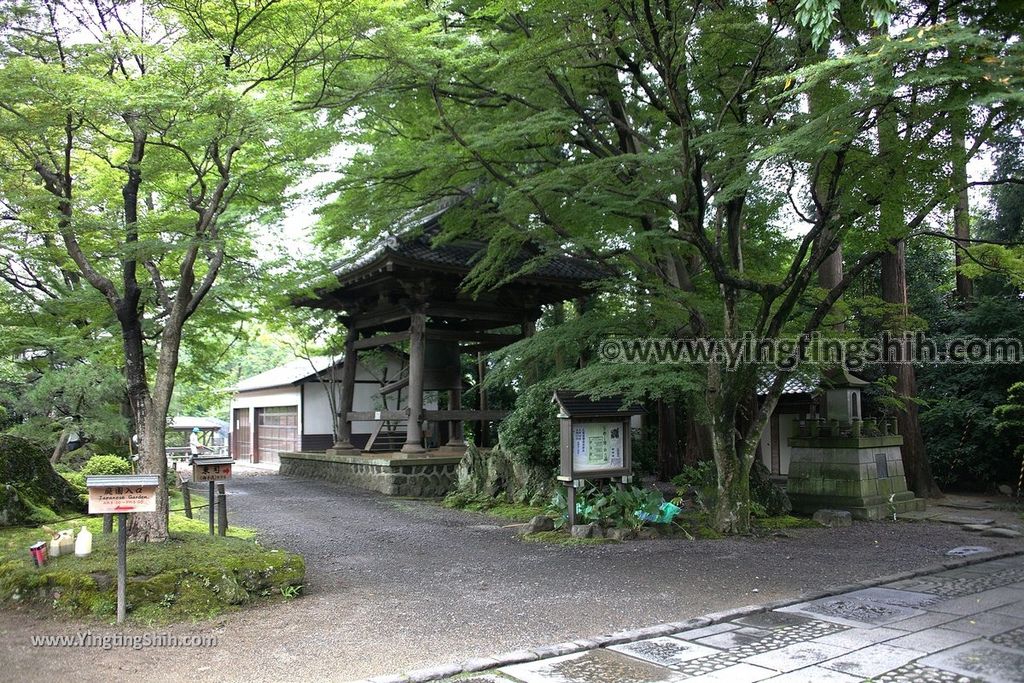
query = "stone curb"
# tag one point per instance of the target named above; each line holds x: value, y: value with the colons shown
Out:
x: 478, y: 664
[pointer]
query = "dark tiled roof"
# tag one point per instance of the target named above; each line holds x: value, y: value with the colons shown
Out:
x: 576, y: 405
x: 416, y: 244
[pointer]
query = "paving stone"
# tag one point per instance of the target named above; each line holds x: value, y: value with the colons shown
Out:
x: 987, y: 624
x: 478, y: 678
x: 1013, y: 639
x: 928, y: 620
x: 953, y: 518
x: 733, y: 639
x: 816, y: 674
x: 968, y: 550
x: 796, y: 656
x: 915, y: 673
x: 872, y: 661
x: 978, y: 602
x: 738, y: 673
x: 975, y: 527
x: 866, y: 608
x: 981, y: 659
x: 696, y: 633
x: 593, y: 665
x: 932, y: 640
x: 433, y: 673
x: 1014, y: 609
x: 479, y: 664
x: 667, y: 652
x: 856, y: 638
x: 770, y: 620
x: 999, y: 532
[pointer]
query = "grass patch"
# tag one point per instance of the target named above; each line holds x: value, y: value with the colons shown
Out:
x: 784, y: 522
x: 563, y: 538
x: 496, y: 507
x: 190, y: 577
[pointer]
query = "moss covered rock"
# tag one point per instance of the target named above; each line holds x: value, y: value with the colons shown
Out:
x: 31, y: 491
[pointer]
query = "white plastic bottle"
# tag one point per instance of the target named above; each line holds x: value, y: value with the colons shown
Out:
x: 83, y: 544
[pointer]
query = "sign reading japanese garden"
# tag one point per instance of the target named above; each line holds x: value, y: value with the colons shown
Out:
x: 119, y: 494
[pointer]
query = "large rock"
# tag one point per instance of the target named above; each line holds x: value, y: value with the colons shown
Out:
x: 490, y: 473
x: 538, y: 524
x: 31, y: 491
x: 586, y: 531
x: 833, y: 518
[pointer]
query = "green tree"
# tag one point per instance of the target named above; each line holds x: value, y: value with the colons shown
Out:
x: 673, y: 143
x: 139, y: 144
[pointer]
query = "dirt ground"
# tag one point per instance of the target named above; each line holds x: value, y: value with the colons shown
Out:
x: 394, y: 585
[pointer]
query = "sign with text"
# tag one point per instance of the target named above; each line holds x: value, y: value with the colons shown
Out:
x: 120, y: 494
x: 211, y: 471
x: 597, y: 446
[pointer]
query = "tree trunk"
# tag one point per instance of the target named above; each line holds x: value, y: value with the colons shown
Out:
x: 62, y: 446
x: 915, y: 459
x: 732, y: 508
x: 149, y: 412
x: 669, y: 461
x: 961, y: 210
x: 698, y: 440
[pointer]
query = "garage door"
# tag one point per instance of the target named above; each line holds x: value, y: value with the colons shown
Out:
x: 241, y: 435
x: 277, y: 429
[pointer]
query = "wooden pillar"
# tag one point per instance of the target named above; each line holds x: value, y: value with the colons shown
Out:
x: 456, y: 436
x: 348, y: 386
x: 483, y: 427
x: 417, y: 351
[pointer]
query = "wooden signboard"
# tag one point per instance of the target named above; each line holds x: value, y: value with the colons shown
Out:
x: 121, y: 494
x: 211, y: 469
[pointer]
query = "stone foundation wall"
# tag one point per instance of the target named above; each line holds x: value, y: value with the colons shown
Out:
x: 860, y: 480
x: 421, y: 477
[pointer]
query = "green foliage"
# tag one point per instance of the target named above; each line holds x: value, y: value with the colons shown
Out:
x: 608, y: 506
x: 1010, y: 416
x: 530, y: 432
x: 193, y: 576
x: 496, y: 507
x: 105, y: 464
x: 960, y: 429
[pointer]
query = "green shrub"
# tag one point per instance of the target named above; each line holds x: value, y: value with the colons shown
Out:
x: 610, y: 506
x: 530, y: 432
x: 105, y: 465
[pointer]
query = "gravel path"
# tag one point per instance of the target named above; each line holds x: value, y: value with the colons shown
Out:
x: 395, y: 585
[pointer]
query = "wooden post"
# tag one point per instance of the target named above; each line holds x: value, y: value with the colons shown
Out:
x: 348, y: 385
x: 417, y: 351
x: 122, y: 564
x: 186, y: 497
x: 211, y: 503
x: 570, y: 500
x: 108, y: 523
x: 483, y: 436
x: 222, y: 510
x: 456, y: 435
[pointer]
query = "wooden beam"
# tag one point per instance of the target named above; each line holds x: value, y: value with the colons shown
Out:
x: 381, y: 340
x: 394, y: 386
x: 383, y: 316
x: 370, y: 415
x: 469, y: 336
x: 447, y: 415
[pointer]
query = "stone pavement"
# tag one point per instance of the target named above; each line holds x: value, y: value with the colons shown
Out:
x: 961, y: 623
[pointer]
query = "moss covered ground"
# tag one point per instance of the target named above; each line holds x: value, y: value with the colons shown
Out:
x: 192, y: 576
x: 496, y: 507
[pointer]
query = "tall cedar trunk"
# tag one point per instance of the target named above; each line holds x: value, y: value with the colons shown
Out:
x: 698, y: 440
x: 669, y: 460
x: 915, y: 459
x: 961, y: 210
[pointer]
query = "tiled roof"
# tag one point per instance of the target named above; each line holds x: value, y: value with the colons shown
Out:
x: 794, y: 385
x: 285, y: 375
x: 416, y: 244
x: 577, y: 405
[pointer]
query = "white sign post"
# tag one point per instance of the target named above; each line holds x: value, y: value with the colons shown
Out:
x: 120, y: 495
